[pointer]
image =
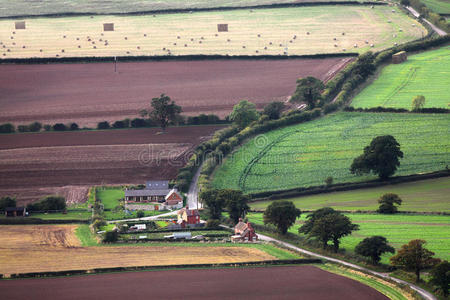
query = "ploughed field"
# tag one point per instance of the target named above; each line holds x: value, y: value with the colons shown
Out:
x: 272, y: 31
x: 56, y: 248
x: 90, y: 93
x: 242, y: 283
x: 306, y: 154
x: 427, y: 74
x: 37, y: 164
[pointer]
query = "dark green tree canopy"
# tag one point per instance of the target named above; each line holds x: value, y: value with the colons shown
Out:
x: 308, y: 90
x: 381, y: 157
x: 281, y: 214
x: 235, y: 203
x: 164, y: 111
x: 214, y: 203
x: 312, y: 217
x: 7, y: 202
x: 244, y: 113
x: 387, y: 202
x: 48, y: 203
x: 414, y: 257
x: 374, y: 247
x: 440, y: 276
x: 273, y: 110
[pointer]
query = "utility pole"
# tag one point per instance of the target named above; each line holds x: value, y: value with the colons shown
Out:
x: 115, y: 64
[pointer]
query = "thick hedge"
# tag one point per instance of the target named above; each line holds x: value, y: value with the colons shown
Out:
x: 28, y: 220
x: 432, y: 110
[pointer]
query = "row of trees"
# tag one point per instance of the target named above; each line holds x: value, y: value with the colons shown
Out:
x: 48, y: 203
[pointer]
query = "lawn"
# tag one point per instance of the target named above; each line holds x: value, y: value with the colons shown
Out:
x: 70, y: 215
x: 26, y: 7
x: 110, y: 197
x: 399, y: 229
x: 306, y: 154
x: 426, y: 74
x: 424, y: 196
x: 196, y: 33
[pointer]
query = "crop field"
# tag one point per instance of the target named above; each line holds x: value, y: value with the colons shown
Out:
x: 24, y: 7
x: 51, y: 160
x: 280, y: 31
x: 426, y: 74
x: 399, y: 229
x: 421, y: 196
x: 438, y: 6
x: 306, y: 154
x: 91, y: 93
x: 56, y: 247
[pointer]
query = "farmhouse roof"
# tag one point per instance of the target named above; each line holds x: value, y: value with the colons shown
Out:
x: 189, y: 212
x: 157, y: 184
x: 172, y: 191
x: 241, y: 226
x: 146, y: 192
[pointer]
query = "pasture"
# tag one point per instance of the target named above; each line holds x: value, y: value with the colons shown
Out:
x: 420, y: 196
x: 427, y: 74
x: 280, y: 31
x: 438, y: 6
x: 306, y: 154
x: 56, y: 247
x: 399, y: 229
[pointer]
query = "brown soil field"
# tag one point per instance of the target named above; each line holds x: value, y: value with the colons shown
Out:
x: 38, y: 164
x: 90, y: 93
x: 39, y: 248
x: 287, y: 282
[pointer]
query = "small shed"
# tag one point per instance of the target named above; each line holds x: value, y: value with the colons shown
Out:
x: 15, y: 211
x: 399, y: 57
x: 20, y: 24
x: 108, y: 26
x: 222, y: 27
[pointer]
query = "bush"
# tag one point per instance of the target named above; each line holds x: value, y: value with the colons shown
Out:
x: 22, y: 128
x: 111, y: 236
x: 59, y: 127
x: 103, y: 125
x: 98, y: 223
x: 35, y: 127
x: 7, y: 202
x: 137, y: 122
x: 74, y: 126
x: 212, y: 223
x: 140, y: 214
x: 47, y: 127
x: 119, y: 124
x: 329, y: 181
x: 48, y: 203
x: 7, y: 128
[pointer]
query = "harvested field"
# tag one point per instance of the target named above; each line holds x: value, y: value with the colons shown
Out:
x: 90, y: 93
x: 274, y: 31
x: 38, y: 248
x: 52, y: 161
x: 289, y: 282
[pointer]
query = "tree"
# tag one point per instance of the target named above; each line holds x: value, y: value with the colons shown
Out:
x: 413, y: 256
x: 273, y: 110
x: 7, y: 202
x: 332, y: 227
x: 308, y: 90
x: 214, y: 203
x: 381, y: 157
x: 282, y: 214
x: 440, y: 276
x: 418, y: 102
x: 374, y: 247
x: 405, y: 2
x: 329, y: 180
x: 48, y: 203
x: 244, y: 113
x: 312, y: 217
x: 387, y: 202
x: 164, y: 111
x: 235, y: 203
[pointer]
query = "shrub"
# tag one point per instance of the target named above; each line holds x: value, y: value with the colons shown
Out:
x: 35, y: 127
x: 103, y: 125
x: 99, y: 222
x: 47, y: 127
x: 22, y: 128
x: 137, y: 122
x: 74, y: 126
x: 48, y: 203
x: 329, y: 181
x: 111, y: 236
x: 7, y: 202
x: 140, y: 214
x: 119, y: 124
x: 7, y: 128
x: 212, y: 223
x: 59, y: 127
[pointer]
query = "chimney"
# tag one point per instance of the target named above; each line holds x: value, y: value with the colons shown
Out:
x: 240, y: 220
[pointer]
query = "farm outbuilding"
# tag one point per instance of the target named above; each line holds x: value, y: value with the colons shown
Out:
x: 222, y: 27
x: 399, y: 57
x: 108, y: 27
x: 15, y: 211
x: 20, y: 25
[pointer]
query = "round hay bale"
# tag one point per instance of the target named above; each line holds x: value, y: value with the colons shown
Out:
x: 294, y: 37
x: 145, y: 34
x: 62, y: 50
x: 290, y: 41
x: 126, y: 38
x: 395, y: 44
x: 9, y: 50
x: 400, y: 29
x: 128, y: 52
x: 89, y: 40
x: 93, y: 43
x: 259, y: 35
x: 4, y: 46
x: 14, y: 43
x: 281, y: 45
x: 285, y: 53
x: 64, y: 36
x: 343, y: 49
x: 4, y: 54
x: 256, y: 51
x: 164, y: 49
x: 100, y: 40
x: 265, y: 48
x: 202, y: 38
x: 92, y: 17
x: 185, y: 45
x: 270, y: 43
x: 79, y: 46
x: 95, y: 47
x: 243, y: 47
x: 216, y: 34
x: 78, y: 39
x: 23, y: 47
x: 389, y: 21
x: 13, y: 32
x: 138, y: 47
x: 174, y: 44
x: 307, y: 33
x: 335, y: 45
x: 12, y: 37
x: 192, y: 40
x: 199, y: 42
x: 251, y: 10
x: 372, y: 7
x: 343, y: 33
x: 394, y: 35
x: 101, y: 34
x: 57, y: 55
x: 40, y: 50
x: 228, y: 40
x: 366, y: 42
x: 154, y: 16
x: 372, y: 45
x: 355, y: 46
x: 178, y: 37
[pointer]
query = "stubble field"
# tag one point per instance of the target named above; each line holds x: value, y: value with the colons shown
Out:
x: 56, y: 248
x: 274, y: 31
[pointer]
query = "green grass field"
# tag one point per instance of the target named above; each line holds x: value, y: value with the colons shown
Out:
x: 306, y: 154
x: 426, y: 74
x: 421, y: 196
x: 438, y: 6
x: 26, y: 7
x: 398, y: 229
x: 196, y: 33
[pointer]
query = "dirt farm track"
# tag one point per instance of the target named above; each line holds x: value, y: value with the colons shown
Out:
x: 302, y: 282
x: 90, y: 93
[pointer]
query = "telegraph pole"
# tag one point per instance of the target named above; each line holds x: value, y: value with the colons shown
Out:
x: 115, y: 64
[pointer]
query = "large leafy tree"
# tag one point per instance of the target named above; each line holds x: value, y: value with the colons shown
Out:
x: 308, y: 90
x: 244, y: 113
x: 164, y: 111
x: 235, y: 203
x: 273, y: 110
x: 414, y: 257
x: 282, y: 214
x: 440, y: 276
x: 312, y: 217
x: 387, y: 202
x: 374, y: 247
x: 214, y: 203
x: 7, y: 202
x: 381, y: 157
